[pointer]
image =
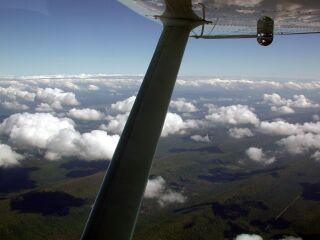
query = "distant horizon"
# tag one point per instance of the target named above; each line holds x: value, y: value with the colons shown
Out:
x: 226, y: 77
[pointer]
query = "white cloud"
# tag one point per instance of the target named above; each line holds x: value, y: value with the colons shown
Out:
x: 282, y: 105
x: 44, y: 107
x: 246, y: 84
x: 116, y: 123
x: 233, y: 115
x: 57, y: 137
x: 8, y: 157
x: 95, y: 145
x: 240, y: 3
x: 199, y: 138
x: 283, y: 128
x: 182, y: 105
x: 248, y: 237
x: 93, y: 87
x: 282, y: 109
x: 14, y: 105
x: 13, y: 93
x: 279, y: 127
x: 300, y: 101
x: 290, y: 238
x: 274, y: 99
x: 257, y: 155
x: 300, y: 137
x: 157, y: 189
x: 33, y: 130
x: 316, y: 156
x: 240, y: 132
x: 123, y: 106
x: 48, y: 99
x: 174, y: 124
x: 120, y: 81
x: 301, y: 143
x: 86, y: 114
x: 55, y: 98
x: 258, y: 237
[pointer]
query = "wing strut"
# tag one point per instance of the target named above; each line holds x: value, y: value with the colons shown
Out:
x: 115, y: 211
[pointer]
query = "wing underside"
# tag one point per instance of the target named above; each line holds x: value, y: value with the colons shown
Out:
x: 238, y: 19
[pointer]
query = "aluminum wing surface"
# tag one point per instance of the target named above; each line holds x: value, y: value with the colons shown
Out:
x: 238, y: 18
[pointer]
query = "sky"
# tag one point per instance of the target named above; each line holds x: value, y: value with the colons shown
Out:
x: 103, y: 36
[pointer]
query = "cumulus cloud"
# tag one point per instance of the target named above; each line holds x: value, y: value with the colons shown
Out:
x: 232, y: 115
x: 258, y: 237
x: 33, y: 130
x: 54, y: 98
x: 282, y: 105
x: 123, y: 106
x: 240, y: 132
x: 116, y: 123
x: 14, y: 105
x: 283, y: 128
x: 257, y: 155
x: 44, y: 107
x: 57, y: 137
x: 300, y: 101
x: 174, y: 124
x: 87, y: 114
x: 316, y: 156
x: 301, y: 143
x: 248, y: 237
x: 95, y: 145
x: 279, y: 127
x: 48, y: 99
x: 274, y: 99
x: 8, y: 157
x: 199, y: 138
x: 300, y: 138
x: 157, y: 189
x: 92, y: 87
x: 182, y: 105
x: 14, y: 93
x: 282, y: 109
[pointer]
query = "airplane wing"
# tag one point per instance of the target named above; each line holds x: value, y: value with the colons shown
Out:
x: 245, y: 36
x: 238, y: 19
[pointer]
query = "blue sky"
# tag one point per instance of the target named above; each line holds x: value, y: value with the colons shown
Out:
x: 102, y: 36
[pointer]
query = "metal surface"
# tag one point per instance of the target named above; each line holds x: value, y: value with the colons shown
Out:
x: 239, y: 17
x: 117, y: 205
